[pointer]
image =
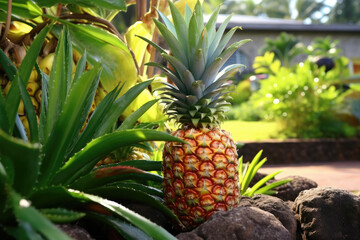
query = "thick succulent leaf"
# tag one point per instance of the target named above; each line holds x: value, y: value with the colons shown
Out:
x: 30, y: 111
x: 130, y: 121
x: 151, y: 229
x: 24, y: 212
x: 22, y: 9
x: 25, y: 158
x: 4, y: 120
x: 19, y: 130
x: 228, y: 71
x: 84, y: 161
x: 23, y: 231
x: 128, y: 231
x: 61, y: 215
x: 80, y: 67
x: 69, y: 123
x: 27, y: 65
x: 146, y: 165
x: 108, y: 4
x: 120, y: 193
x: 193, y: 37
x: 58, y: 81
x: 7, y: 65
x: 106, y: 175
x: 139, y: 187
x: 119, y: 107
x: 94, y: 123
x: 44, y: 103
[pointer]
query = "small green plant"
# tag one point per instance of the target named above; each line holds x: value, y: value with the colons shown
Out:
x: 286, y: 47
x: 247, y: 173
x: 49, y: 176
x: 302, y: 99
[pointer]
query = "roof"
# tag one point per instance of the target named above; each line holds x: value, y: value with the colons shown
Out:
x: 277, y: 24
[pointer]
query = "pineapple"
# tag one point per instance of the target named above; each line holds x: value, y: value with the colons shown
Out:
x: 200, y: 176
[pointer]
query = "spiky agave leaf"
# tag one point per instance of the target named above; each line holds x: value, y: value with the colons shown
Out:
x: 197, y: 55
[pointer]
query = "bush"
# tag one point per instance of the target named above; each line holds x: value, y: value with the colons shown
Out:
x: 303, y: 100
x: 240, y: 92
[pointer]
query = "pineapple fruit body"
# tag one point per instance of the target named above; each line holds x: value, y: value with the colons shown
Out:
x: 200, y: 177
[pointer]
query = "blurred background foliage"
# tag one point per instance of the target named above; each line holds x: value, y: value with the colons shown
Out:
x: 311, y: 11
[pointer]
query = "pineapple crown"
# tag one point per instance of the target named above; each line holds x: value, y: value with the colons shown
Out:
x: 197, y: 96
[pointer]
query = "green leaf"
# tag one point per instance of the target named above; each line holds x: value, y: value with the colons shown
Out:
x: 119, y: 106
x: 26, y: 213
x: 25, y: 158
x: 180, y: 25
x: 146, y: 165
x: 107, y: 49
x: 22, y: 9
x: 173, y: 43
x: 130, y: 121
x: 108, y: 4
x: 271, y: 186
x: 4, y: 121
x: 95, y: 122
x: 58, y: 82
x: 151, y: 229
x: 128, y: 231
x: 84, y: 161
x: 247, y: 176
x: 30, y: 111
x: 139, y: 187
x: 13, y: 97
x: 121, y: 193
x: 106, y: 175
x: 61, y: 215
x: 214, y: 44
x: 69, y: 123
x: 23, y: 231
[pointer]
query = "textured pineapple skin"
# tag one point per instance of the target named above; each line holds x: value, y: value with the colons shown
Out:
x: 202, y: 176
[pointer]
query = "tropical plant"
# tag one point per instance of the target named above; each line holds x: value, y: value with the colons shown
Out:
x: 49, y: 176
x: 303, y: 100
x: 200, y: 176
x: 248, y: 172
x: 285, y: 47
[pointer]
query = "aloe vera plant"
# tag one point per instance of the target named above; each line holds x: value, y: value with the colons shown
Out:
x: 49, y: 176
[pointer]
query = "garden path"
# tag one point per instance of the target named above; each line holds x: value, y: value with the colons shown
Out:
x: 343, y: 175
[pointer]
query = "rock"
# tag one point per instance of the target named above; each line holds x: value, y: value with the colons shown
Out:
x: 75, y: 232
x: 275, y: 206
x: 290, y: 190
x: 241, y: 223
x: 327, y: 213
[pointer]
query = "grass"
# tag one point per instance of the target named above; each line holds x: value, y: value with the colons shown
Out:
x: 251, y: 131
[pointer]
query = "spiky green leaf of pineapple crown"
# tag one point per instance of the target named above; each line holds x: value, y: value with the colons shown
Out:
x: 197, y: 97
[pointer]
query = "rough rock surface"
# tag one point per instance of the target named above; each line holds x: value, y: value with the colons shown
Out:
x: 275, y: 206
x: 75, y: 232
x: 327, y: 213
x: 290, y: 190
x: 239, y: 223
